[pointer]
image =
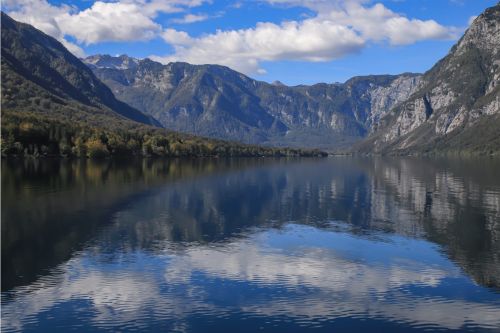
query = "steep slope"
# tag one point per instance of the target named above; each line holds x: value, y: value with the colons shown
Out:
x: 218, y: 102
x: 335, y: 114
x: 53, y: 105
x: 37, y: 72
x: 457, y: 107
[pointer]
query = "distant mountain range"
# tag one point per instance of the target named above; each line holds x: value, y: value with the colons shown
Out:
x: 215, y: 101
x: 53, y: 105
x: 454, y: 106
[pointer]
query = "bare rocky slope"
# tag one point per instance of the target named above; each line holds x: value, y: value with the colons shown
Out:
x: 457, y: 105
x: 52, y: 105
x: 218, y: 102
x: 454, y: 107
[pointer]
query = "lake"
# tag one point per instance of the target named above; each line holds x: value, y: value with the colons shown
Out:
x: 251, y: 245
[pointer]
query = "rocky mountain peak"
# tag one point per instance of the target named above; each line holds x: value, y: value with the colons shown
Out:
x: 216, y: 101
x: 457, y: 103
x: 278, y: 83
x: 106, y: 61
x: 401, y: 111
x: 483, y: 33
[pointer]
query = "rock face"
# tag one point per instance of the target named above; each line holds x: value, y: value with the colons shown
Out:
x: 452, y: 107
x: 457, y: 104
x: 218, y: 102
x: 106, y: 61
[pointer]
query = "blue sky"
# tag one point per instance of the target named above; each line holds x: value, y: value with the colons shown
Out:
x: 294, y: 41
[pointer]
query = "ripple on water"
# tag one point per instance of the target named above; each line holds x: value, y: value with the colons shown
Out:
x: 192, y: 258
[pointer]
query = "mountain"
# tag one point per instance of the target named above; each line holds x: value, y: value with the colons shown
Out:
x: 215, y: 101
x: 107, y: 61
x: 53, y: 105
x: 454, y: 107
x: 37, y: 72
x: 457, y: 105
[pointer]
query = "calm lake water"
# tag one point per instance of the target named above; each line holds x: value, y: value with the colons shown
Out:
x: 251, y: 245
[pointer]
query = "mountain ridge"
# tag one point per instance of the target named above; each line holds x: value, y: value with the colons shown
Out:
x: 215, y: 101
x: 452, y: 107
x: 32, y: 56
x: 457, y: 106
x: 53, y: 105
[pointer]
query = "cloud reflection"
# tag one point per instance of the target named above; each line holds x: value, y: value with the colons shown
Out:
x: 332, y: 280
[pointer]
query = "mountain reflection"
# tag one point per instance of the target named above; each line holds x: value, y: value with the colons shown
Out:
x: 149, y: 242
x: 455, y: 203
x: 51, y: 208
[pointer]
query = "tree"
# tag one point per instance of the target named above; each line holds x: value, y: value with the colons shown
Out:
x: 96, y: 149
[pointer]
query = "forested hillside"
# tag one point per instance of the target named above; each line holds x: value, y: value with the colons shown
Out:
x: 53, y: 105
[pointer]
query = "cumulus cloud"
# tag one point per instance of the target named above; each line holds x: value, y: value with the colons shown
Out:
x: 124, y: 20
x: 339, y: 28
x: 109, y: 22
x: 309, y: 40
x: 179, y: 38
x: 43, y: 16
x: 378, y: 23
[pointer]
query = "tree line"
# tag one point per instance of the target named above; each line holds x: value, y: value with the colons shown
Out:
x: 36, y: 135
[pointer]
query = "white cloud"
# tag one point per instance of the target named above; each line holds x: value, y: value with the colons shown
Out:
x: 179, y: 38
x: 191, y: 18
x: 152, y: 7
x: 43, y: 16
x: 124, y: 20
x: 378, y: 23
x: 114, y: 21
x: 310, y: 40
x: 237, y: 5
x: 339, y: 28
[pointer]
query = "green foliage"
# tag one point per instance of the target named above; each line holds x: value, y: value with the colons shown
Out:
x: 36, y: 134
x: 55, y: 106
x: 96, y: 149
x: 41, y: 59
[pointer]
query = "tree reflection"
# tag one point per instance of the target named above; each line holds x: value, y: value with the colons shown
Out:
x: 53, y: 208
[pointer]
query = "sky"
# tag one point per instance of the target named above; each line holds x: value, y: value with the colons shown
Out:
x: 293, y: 41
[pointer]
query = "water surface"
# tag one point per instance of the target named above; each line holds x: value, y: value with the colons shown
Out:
x: 247, y: 245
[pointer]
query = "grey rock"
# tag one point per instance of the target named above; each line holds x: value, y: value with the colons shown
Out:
x: 215, y: 101
x: 457, y: 103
